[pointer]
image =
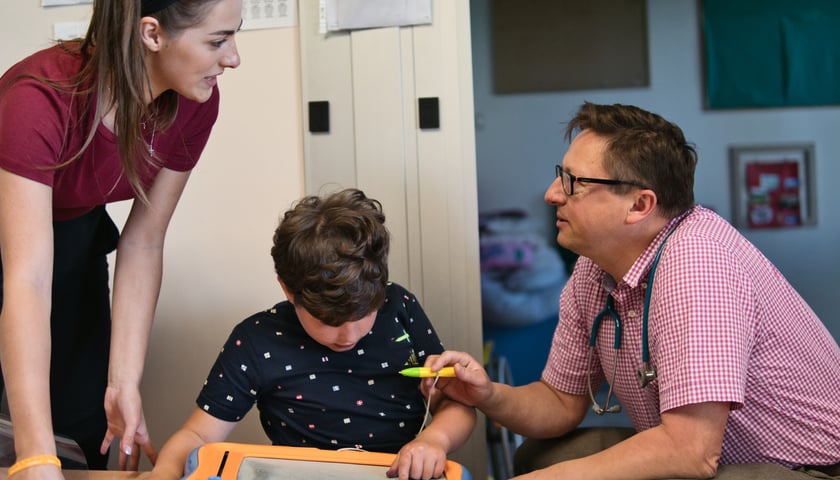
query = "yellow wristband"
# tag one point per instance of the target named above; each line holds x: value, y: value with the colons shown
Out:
x: 32, y: 462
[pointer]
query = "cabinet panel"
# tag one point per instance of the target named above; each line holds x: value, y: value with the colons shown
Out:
x: 329, y: 162
x: 380, y: 134
x: 425, y: 179
x: 446, y: 172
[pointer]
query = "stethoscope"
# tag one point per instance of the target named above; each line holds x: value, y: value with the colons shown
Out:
x: 647, y: 372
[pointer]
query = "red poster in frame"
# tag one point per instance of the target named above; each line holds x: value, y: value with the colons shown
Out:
x: 773, y: 186
x: 773, y: 194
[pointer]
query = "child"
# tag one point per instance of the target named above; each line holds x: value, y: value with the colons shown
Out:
x: 323, y: 366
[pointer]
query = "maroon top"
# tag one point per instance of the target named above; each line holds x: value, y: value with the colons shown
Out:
x: 41, y: 127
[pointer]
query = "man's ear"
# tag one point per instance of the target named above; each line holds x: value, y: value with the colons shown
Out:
x: 151, y: 33
x: 644, y: 204
x: 289, y: 296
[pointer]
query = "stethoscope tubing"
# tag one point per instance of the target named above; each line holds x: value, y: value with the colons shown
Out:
x: 646, y: 372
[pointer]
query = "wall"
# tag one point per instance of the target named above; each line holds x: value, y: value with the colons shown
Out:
x: 217, y: 267
x: 519, y: 140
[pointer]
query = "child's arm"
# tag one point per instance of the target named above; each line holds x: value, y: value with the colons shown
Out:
x: 452, y: 422
x: 425, y: 456
x: 199, y: 429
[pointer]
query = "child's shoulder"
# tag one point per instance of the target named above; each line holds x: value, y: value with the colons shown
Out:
x: 399, y: 302
x: 393, y: 288
x: 394, y: 292
x: 280, y: 312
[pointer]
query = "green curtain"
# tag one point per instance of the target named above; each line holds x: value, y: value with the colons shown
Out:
x: 771, y: 53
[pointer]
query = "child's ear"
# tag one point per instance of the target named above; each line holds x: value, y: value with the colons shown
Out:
x: 289, y: 296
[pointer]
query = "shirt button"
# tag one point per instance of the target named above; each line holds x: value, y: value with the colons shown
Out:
x: 632, y: 313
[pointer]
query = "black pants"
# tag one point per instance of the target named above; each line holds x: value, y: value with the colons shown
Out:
x: 537, y: 454
x: 81, y: 330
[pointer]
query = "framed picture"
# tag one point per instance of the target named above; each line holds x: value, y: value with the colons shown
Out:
x: 773, y: 186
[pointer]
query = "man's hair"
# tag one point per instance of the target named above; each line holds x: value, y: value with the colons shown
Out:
x: 331, y: 252
x: 643, y: 148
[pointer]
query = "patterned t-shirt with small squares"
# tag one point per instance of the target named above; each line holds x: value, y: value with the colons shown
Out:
x: 309, y: 395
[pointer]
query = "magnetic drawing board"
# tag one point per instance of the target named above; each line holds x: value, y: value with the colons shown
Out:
x: 239, y: 461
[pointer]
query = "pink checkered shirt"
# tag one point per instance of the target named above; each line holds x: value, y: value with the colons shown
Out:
x: 724, y: 326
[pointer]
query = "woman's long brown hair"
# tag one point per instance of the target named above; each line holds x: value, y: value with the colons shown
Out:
x: 113, y: 75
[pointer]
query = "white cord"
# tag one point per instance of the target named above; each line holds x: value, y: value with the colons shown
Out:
x: 428, y: 404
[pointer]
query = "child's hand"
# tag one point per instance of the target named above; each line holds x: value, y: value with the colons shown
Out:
x: 418, y: 460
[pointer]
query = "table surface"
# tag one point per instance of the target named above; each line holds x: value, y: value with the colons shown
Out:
x: 94, y: 475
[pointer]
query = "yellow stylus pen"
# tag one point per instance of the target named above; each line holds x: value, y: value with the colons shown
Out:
x: 425, y: 372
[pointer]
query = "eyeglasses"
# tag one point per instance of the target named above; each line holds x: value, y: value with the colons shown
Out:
x: 568, y: 181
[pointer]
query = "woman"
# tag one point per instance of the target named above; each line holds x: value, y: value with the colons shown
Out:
x: 124, y: 113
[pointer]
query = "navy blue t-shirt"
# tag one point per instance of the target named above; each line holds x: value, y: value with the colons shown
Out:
x: 309, y: 395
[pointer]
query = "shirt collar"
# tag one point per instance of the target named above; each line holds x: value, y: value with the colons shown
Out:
x: 638, y: 273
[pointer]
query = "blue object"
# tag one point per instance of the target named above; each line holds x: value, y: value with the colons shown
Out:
x: 525, y: 347
x: 192, y: 464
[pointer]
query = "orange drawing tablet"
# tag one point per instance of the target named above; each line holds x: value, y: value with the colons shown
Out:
x: 239, y: 461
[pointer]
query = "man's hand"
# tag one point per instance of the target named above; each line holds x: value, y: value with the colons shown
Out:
x: 471, y: 385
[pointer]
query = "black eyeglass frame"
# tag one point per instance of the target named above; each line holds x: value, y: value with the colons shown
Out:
x: 558, y: 170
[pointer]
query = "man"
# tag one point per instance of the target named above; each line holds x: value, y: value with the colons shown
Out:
x: 720, y: 364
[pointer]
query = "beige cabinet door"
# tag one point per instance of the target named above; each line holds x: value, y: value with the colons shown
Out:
x: 425, y: 178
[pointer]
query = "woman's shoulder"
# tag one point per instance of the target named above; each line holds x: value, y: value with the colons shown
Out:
x: 58, y: 62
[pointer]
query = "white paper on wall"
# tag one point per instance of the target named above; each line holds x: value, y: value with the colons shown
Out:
x: 260, y: 14
x: 357, y: 14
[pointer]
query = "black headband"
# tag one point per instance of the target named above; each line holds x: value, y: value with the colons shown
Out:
x: 148, y: 7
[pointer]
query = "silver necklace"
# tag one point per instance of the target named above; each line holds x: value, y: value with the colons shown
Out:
x: 151, y: 143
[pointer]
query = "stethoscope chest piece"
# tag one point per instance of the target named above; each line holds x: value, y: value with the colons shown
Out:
x: 646, y: 374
